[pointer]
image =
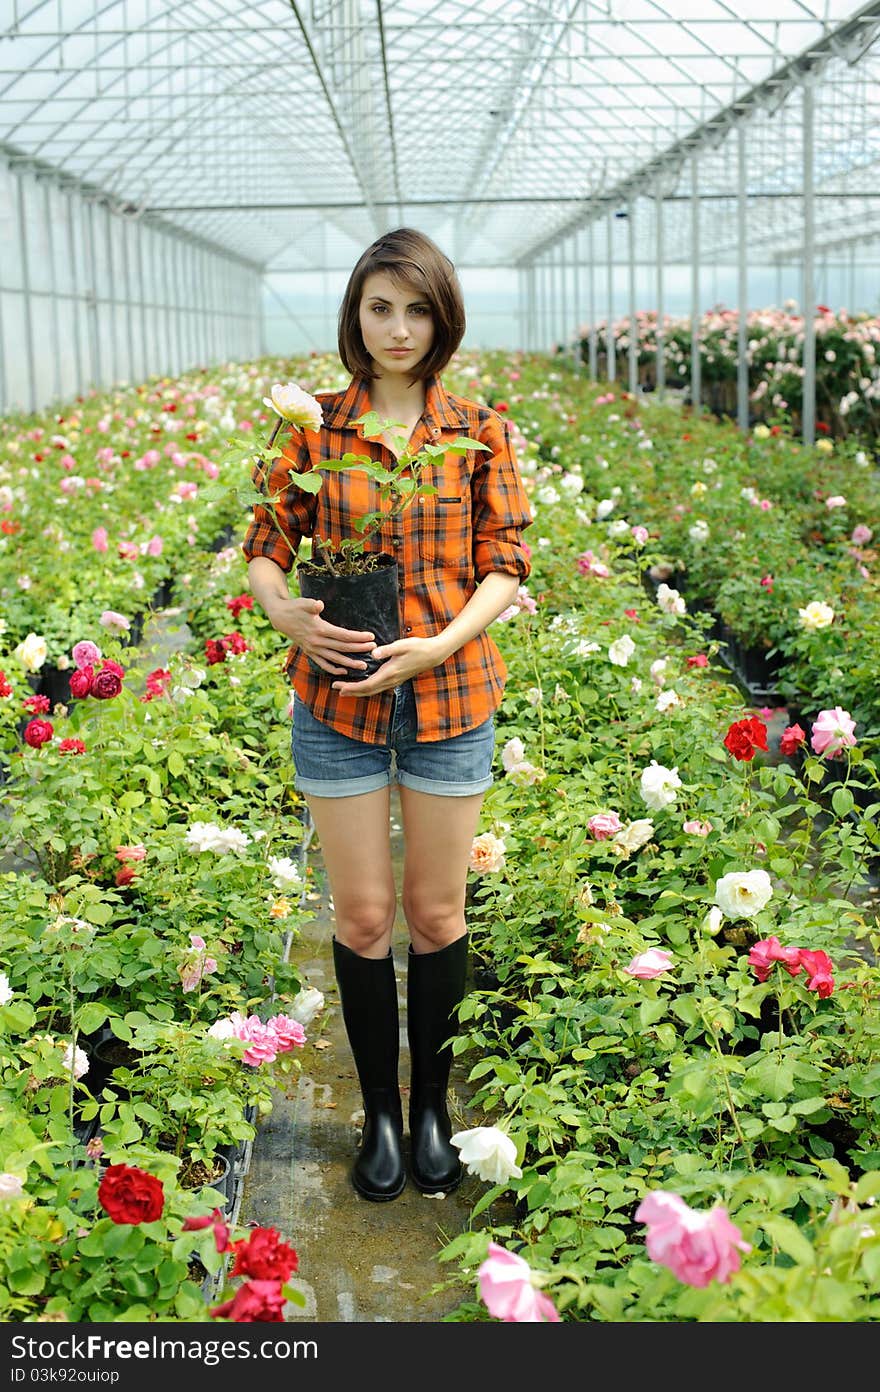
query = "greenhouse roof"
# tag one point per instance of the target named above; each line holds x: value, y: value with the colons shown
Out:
x: 292, y: 132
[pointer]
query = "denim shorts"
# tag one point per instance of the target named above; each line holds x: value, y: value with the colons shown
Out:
x: 330, y: 764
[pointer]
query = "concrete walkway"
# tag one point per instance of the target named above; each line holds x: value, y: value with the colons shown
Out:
x: 358, y: 1261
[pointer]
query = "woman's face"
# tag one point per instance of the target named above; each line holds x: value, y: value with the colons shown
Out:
x: 397, y: 325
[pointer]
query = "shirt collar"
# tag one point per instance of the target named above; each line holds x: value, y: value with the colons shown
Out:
x: 439, y: 410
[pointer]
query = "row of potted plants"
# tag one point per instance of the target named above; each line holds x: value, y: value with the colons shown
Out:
x: 847, y: 374
x: 673, y: 1039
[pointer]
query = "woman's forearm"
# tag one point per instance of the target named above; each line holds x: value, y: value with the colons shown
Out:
x: 491, y: 597
x: 268, y: 584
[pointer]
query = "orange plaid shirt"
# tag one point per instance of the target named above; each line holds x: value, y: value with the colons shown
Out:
x: 445, y: 544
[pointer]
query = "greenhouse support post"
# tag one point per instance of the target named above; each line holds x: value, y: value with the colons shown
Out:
x: 696, y: 359
x: 26, y: 292
x: 742, y: 348
x: 73, y: 261
x: 591, y: 308
x: 53, y: 289
x: 633, y: 350
x: 808, y: 309
x: 661, y: 349
x: 610, y: 353
x: 576, y: 359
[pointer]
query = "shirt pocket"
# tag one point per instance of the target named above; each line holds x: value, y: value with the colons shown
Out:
x: 443, y: 520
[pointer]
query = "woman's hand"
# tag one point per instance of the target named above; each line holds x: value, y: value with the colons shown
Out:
x: 323, y: 642
x: 400, y: 661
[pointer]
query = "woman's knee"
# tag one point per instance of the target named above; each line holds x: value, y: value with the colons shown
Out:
x: 432, y: 921
x: 365, y: 923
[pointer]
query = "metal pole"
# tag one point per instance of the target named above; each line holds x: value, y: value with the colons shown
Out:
x: 610, y: 348
x: 851, y: 294
x: 115, y: 373
x: 53, y: 290
x: 140, y: 234
x: 576, y: 357
x: 591, y: 309
x: 696, y: 357
x: 808, y: 413
x: 633, y: 334
x: 92, y: 299
x: 660, y: 336
x: 742, y: 293
x: 125, y: 227
x: 26, y: 295
x: 73, y: 262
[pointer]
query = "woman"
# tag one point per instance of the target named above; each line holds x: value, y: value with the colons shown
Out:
x: 431, y: 701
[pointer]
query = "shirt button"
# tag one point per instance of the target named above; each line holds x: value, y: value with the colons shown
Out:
x: 408, y: 628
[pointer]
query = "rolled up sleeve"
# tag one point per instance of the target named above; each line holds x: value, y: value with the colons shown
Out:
x: 500, y: 508
x: 278, y: 537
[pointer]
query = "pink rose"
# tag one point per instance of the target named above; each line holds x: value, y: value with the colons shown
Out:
x: 85, y: 654
x: 697, y: 828
x: 696, y: 1247
x: 837, y: 500
x: 289, y: 1034
x: 154, y: 546
x: 649, y: 964
x: 832, y: 731
x: 131, y: 852
x: 116, y: 623
x: 603, y: 825
x: 640, y: 535
x: 763, y: 954
x: 861, y: 534
x: 100, y: 539
x: 818, y: 966
x: 507, y: 1292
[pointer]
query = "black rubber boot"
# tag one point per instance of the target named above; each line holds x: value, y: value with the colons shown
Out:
x: 368, y: 996
x: 435, y: 986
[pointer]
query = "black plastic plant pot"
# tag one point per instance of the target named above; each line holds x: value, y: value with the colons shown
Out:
x: 364, y: 603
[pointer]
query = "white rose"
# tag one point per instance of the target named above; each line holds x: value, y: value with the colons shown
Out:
x: 670, y: 601
x: 6, y: 992
x: 743, y: 893
x: 32, y: 652
x: 306, y: 1005
x: 604, y: 508
x: 294, y: 405
x: 534, y: 696
x: 284, y: 871
x: 75, y: 1061
x: 658, y: 785
x: 658, y: 669
x: 10, y: 1185
x: 699, y: 532
x: 633, y: 836
x: 618, y: 528
x: 488, y: 1153
x: 512, y: 754
x: 525, y: 774
x: 487, y: 853
x: 222, y: 1029
x: 621, y: 650
x: 571, y: 484
x: 816, y: 615
x: 667, y: 699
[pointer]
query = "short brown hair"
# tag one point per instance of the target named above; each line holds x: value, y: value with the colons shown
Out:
x: 411, y: 258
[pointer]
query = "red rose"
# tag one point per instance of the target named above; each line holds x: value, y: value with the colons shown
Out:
x: 106, y: 685
x: 125, y: 876
x: 501, y: 406
x: 215, y: 651
x: 792, y: 738
x: 38, y: 732
x: 130, y: 1195
x: 5, y: 687
x: 744, y: 737
x: 213, y: 1220
x: 698, y: 660
x: 235, y: 643
x: 38, y: 704
x: 108, y: 665
x: 255, y: 1301
x: 81, y: 681
x: 71, y: 746
x: 239, y: 602
x: 264, y: 1257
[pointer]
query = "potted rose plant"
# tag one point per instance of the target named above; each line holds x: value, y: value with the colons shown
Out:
x: 358, y: 585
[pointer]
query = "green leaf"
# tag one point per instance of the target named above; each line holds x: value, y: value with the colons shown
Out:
x: 176, y: 764
x: 464, y: 443
x: 787, y: 1236
x: 842, y: 801
x: 309, y: 482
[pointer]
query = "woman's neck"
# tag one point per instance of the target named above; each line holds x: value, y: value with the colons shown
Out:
x: 398, y: 401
